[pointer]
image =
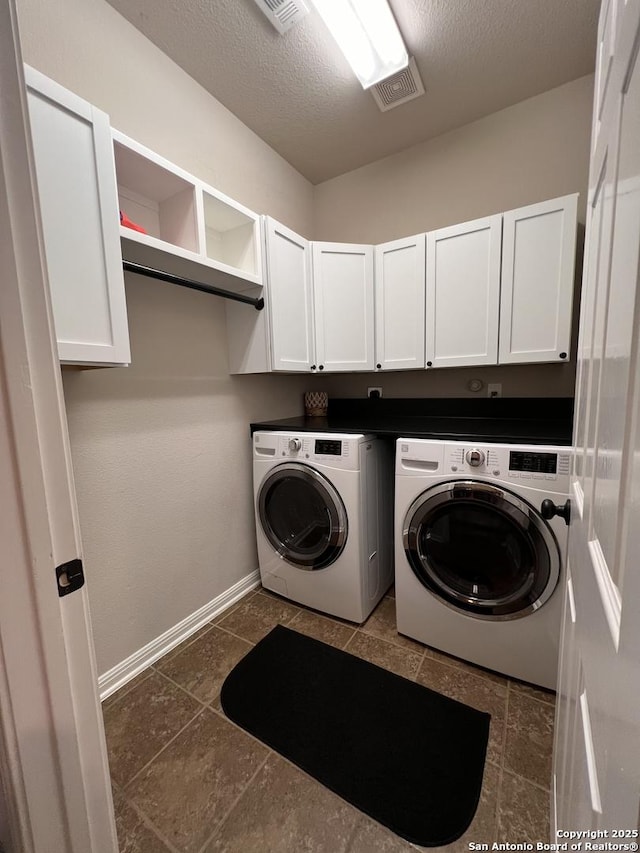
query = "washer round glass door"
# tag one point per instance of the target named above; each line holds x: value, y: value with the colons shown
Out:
x: 482, y: 549
x: 302, y: 516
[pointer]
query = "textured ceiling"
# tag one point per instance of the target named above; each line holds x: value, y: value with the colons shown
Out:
x: 298, y: 94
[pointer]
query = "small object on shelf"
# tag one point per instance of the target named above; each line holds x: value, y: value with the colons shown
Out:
x: 316, y: 404
x: 128, y: 223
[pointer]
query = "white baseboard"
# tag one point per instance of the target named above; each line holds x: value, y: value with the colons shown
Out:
x: 127, y: 669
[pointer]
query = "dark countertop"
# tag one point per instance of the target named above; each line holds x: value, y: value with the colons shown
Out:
x: 514, y: 420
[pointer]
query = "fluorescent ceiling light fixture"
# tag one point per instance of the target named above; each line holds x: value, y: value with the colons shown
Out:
x: 367, y: 34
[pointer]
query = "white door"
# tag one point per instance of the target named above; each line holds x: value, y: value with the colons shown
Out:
x: 53, y: 768
x: 399, y: 303
x: 597, y: 749
x: 290, y: 298
x: 343, y: 300
x: 536, y: 296
x: 463, y: 293
x: 79, y: 210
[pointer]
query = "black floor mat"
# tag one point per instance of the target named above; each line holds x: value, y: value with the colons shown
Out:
x: 410, y: 758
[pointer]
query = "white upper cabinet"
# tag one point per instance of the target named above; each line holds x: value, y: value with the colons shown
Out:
x: 290, y: 298
x: 79, y: 211
x: 399, y: 303
x: 538, y: 258
x: 463, y: 293
x: 343, y: 302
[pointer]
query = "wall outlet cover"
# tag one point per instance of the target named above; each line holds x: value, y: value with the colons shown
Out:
x: 374, y: 392
x: 494, y: 389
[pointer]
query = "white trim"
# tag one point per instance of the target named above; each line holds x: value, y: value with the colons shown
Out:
x: 127, y: 669
x: 578, y: 496
x: 609, y: 592
x: 590, y: 753
x: 571, y: 599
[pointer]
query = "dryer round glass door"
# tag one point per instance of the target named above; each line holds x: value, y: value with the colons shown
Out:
x: 481, y: 549
x: 302, y: 516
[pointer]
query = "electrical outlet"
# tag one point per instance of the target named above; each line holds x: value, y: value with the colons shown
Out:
x: 494, y: 389
x: 374, y: 392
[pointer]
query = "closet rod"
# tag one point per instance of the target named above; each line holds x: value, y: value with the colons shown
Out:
x: 258, y: 304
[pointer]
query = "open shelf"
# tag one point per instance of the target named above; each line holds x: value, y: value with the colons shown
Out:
x: 159, y: 200
x: 230, y: 234
x: 184, y: 218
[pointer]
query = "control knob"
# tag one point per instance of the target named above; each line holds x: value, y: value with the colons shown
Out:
x: 475, y: 457
x: 294, y: 445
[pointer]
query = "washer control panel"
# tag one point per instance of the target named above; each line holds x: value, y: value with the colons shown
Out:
x: 534, y: 463
x: 327, y: 447
x: 475, y: 457
x: 511, y: 463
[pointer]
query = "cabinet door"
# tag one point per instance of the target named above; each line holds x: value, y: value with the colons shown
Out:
x: 290, y: 298
x: 399, y: 303
x: 538, y: 258
x: 343, y: 300
x: 463, y: 293
x: 80, y: 222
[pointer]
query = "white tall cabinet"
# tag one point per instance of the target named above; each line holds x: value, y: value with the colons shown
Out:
x: 79, y: 211
x: 290, y: 298
x: 399, y: 303
x: 538, y: 259
x: 343, y: 302
x: 463, y: 293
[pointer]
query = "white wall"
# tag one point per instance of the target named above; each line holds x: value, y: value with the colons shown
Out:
x: 529, y: 152
x: 161, y: 450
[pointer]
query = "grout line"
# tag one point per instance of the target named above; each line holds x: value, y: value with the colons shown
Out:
x: 501, y: 765
x: 395, y: 643
x: 146, y: 820
x: 325, y: 617
x: 233, y: 607
x: 237, y: 636
x: 391, y: 645
x: 550, y: 703
x: 355, y: 631
x: 223, y: 820
x: 424, y: 654
x: 189, y: 641
x: 201, y: 710
x: 498, y: 803
x: 184, y: 689
x: 475, y: 672
x: 121, y: 692
x: 506, y: 720
x: 504, y: 746
x: 529, y: 781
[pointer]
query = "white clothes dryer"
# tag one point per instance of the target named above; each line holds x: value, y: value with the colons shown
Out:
x: 324, y: 516
x: 480, y: 549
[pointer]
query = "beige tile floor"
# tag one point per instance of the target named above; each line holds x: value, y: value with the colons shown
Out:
x: 188, y: 780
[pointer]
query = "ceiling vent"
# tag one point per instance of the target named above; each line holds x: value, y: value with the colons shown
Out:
x: 399, y: 88
x: 283, y: 14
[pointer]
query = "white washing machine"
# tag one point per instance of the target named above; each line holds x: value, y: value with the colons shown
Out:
x: 324, y: 517
x: 480, y: 550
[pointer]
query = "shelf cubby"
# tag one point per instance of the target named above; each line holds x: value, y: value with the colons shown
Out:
x: 231, y: 233
x: 184, y: 219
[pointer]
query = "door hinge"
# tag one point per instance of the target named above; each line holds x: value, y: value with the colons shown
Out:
x: 70, y: 577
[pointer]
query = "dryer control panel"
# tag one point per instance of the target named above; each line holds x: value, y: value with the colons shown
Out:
x: 334, y: 450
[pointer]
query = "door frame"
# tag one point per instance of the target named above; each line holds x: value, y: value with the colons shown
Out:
x: 54, y: 777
